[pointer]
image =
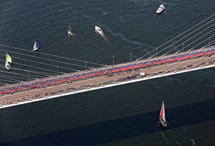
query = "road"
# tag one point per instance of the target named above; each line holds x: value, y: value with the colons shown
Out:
x: 73, y: 83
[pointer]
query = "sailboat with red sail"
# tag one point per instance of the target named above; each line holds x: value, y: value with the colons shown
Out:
x: 162, y: 117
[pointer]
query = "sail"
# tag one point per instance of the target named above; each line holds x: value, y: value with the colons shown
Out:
x: 8, y: 58
x: 36, y: 46
x: 70, y: 28
x: 162, y: 112
x: 70, y: 31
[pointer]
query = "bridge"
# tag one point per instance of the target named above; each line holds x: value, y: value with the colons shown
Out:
x: 192, y: 50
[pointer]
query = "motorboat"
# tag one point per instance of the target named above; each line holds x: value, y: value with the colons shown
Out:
x: 98, y: 30
x: 160, y: 9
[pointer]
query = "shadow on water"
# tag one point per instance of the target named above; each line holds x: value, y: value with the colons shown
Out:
x: 110, y: 131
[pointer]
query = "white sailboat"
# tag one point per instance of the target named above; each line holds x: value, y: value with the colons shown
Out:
x: 36, y: 46
x: 162, y: 117
x: 8, y: 62
x: 160, y: 9
x: 70, y: 34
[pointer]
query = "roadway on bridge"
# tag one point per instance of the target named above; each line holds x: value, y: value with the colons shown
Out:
x: 96, y: 78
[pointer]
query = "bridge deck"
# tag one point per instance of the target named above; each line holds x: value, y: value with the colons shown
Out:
x: 10, y: 95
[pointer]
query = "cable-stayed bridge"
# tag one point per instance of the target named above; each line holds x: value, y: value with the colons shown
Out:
x: 37, y: 77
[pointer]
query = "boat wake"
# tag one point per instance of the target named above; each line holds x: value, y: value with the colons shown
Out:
x: 166, y: 140
x: 142, y: 2
x: 139, y: 45
x: 193, y: 141
x: 103, y: 11
x: 127, y: 40
x: 102, y: 35
x: 99, y: 31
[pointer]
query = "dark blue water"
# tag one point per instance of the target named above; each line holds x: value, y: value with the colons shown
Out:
x: 124, y: 115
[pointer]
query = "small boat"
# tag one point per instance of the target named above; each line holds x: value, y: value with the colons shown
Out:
x: 160, y: 9
x: 98, y: 29
x: 70, y: 34
x: 162, y: 117
x: 8, y: 62
x: 36, y: 46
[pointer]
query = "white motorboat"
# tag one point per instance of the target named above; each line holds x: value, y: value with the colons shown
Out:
x: 160, y: 9
x: 98, y: 29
